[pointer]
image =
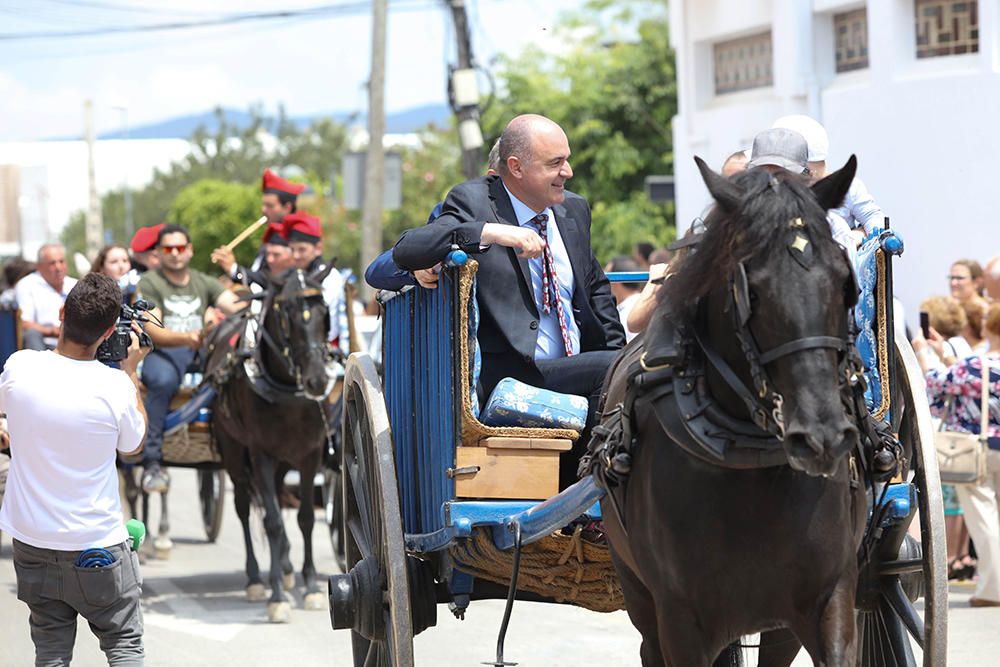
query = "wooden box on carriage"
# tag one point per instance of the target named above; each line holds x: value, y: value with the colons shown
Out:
x: 510, y: 468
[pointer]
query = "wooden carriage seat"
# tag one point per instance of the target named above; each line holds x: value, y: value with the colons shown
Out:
x: 498, y: 462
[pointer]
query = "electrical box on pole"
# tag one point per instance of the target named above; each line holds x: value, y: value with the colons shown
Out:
x: 463, y: 92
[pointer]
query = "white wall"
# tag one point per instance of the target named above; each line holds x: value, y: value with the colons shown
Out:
x: 59, y: 176
x: 926, y: 133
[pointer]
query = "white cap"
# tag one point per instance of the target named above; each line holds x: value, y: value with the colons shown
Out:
x: 815, y: 134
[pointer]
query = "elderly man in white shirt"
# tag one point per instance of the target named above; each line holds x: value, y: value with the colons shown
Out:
x: 40, y: 295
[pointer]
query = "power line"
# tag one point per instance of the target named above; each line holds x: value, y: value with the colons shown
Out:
x: 321, y: 11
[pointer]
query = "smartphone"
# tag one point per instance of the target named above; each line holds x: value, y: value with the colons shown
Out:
x: 925, y: 325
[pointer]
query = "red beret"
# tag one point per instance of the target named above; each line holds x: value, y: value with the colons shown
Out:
x: 146, y: 238
x: 271, y: 182
x: 275, y: 234
x: 302, y: 227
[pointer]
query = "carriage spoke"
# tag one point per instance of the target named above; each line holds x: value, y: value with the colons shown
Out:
x: 360, y: 539
x: 900, y: 604
x: 360, y: 498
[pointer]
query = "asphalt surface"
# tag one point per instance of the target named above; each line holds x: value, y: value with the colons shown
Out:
x: 196, y: 613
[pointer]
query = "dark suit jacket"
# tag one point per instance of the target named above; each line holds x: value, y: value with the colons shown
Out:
x: 508, y: 325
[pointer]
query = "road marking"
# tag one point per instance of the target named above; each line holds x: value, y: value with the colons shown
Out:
x: 188, y: 615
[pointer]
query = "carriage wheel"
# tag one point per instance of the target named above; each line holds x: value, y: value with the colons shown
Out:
x: 333, y: 513
x: 373, y: 598
x: 887, y: 618
x: 211, y: 494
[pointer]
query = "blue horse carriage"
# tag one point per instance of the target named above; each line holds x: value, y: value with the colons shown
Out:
x: 444, y: 503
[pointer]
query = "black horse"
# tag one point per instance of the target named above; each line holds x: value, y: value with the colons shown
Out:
x: 273, y: 418
x: 735, y: 505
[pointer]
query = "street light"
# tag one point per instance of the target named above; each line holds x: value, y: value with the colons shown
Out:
x: 127, y: 192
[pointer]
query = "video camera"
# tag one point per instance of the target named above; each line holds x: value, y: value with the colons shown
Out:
x: 115, y: 348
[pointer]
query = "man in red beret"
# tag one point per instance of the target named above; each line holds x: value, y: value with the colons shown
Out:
x: 143, y: 248
x: 305, y: 238
x: 278, y: 199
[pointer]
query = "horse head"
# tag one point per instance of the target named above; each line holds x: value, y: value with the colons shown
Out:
x: 770, y: 290
x: 297, y: 319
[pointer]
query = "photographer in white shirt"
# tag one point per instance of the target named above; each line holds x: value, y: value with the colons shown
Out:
x: 68, y: 417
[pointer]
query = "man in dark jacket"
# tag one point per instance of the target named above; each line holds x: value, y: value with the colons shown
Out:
x: 547, y: 316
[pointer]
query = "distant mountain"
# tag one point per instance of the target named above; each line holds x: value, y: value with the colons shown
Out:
x: 182, y: 127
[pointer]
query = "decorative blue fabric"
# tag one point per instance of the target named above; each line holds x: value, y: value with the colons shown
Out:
x: 866, y: 317
x: 475, y: 356
x: 514, y: 403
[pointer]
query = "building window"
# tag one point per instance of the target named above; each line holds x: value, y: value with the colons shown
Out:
x: 946, y: 27
x: 850, y: 31
x: 744, y: 63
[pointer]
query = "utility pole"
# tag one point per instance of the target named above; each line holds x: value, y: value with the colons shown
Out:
x: 463, y: 92
x: 94, y: 227
x: 126, y: 191
x: 371, y: 215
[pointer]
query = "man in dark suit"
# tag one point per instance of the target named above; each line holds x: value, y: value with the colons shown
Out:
x: 547, y: 316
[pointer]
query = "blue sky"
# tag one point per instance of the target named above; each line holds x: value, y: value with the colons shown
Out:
x: 309, y: 65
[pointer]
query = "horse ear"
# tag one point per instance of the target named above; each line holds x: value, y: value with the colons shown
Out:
x: 830, y: 191
x: 726, y: 193
x: 320, y: 274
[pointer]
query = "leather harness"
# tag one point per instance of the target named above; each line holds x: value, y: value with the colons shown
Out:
x: 671, y: 375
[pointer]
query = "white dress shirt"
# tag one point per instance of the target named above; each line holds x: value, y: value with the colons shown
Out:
x: 550, y: 341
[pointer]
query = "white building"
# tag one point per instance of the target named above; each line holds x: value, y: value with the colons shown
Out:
x: 42, y: 183
x: 910, y: 86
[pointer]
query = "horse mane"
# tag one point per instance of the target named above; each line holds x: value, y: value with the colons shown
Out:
x: 769, y: 203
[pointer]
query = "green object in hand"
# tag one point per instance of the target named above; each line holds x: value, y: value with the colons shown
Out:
x: 137, y: 531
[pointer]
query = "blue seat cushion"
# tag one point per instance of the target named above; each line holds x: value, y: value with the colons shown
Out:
x: 866, y: 318
x: 514, y: 403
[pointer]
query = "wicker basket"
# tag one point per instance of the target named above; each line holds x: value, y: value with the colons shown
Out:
x: 563, y: 567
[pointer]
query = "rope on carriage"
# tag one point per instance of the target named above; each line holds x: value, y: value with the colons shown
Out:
x: 474, y: 430
x: 566, y: 568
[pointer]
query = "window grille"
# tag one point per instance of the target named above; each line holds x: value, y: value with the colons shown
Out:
x: 946, y: 27
x: 850, y: 30
x: 743, y: 63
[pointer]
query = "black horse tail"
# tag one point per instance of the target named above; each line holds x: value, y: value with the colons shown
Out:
x: 731, y: 656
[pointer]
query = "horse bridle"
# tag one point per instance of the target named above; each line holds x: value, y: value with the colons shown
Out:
x: 764, y: 404
x: 282, y: 351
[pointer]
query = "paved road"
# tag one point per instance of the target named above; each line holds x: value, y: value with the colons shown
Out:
x: 196, y: 614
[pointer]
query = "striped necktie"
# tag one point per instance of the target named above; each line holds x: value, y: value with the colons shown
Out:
x: 550, y: 282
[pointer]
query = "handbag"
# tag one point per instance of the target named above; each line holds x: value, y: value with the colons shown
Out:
x: 962, y: 456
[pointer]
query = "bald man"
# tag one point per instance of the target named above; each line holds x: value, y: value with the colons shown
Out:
x: 528, y: 233
x: 991, y: 278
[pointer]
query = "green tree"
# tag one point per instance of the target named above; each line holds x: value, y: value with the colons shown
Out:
x: 612, y: 88
x: 214, y: 212
x: 229, y: 153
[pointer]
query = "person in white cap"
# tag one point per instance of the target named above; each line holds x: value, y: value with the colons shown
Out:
x: 859, y: 209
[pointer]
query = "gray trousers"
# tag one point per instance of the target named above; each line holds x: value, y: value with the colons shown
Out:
x: 56, y: 591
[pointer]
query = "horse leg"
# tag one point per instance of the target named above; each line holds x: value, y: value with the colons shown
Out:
x: 830, y: 635
x: 778, y: 648
x: 642, y: 612
x: 131, y: 491
x: 163, y: 544
x: 278, y: 609
x: 314, y: 597
x: 682, y: 641
x: 287, y: 569
x: 241, y: 498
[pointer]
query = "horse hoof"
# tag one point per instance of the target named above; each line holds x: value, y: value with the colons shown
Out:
x: 163, y: 544
x: 314, y: 602
x: 288, y: 581
x: 161, y: 554
x: 279, y: 612
x: 256, y: 593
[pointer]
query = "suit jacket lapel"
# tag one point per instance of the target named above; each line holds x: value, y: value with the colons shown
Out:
x: 504, y: 211
x: 569, y: 229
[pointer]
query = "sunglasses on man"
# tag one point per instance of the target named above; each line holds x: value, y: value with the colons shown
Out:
x: 174, y: 249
